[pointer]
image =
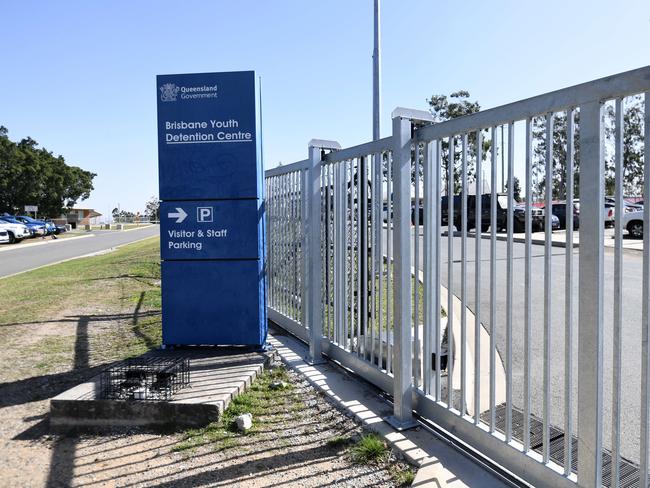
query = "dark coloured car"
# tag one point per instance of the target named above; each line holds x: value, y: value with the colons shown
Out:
x: 518, y: 212
x: 559, y: 209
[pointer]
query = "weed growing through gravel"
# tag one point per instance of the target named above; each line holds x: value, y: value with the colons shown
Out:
x: 337, y: 442
x: 403, y: 477
x: 369, y: 447
x: 260, y: 399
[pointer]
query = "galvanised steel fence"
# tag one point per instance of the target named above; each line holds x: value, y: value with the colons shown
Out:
x: 399, y: 259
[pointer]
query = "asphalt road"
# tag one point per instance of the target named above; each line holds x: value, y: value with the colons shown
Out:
x: 631, y: 362
x: 24, y: 256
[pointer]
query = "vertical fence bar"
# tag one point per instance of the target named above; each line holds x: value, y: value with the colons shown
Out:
x: 528, y: 284
x: 403, y: 363
x: 617, y: 338
x: 437, y: 215
x: 339, y: 251
x: 509, y: 258
x: 379, y: 167
x: 568, y: 307
x: 327, y: 169
x: 645, y: 299
x: 349, y: 249
x: 416, y: 267
x: 428, y: 305
x: 305, y: 193
x: 590, y: 322
x: 450, y: 272
x: 390, y: 270
x: 463, y: 278
x: 377, y: 227
x: 548, y: 229
x: 493, y: 279
x: 362, y: 193
x: 478, y: 223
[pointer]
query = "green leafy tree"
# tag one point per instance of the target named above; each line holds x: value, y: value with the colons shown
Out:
x: 30, y: 175
x: 152, y: 209
x: 633, y: 144
x: 559, y: 163
x: 457, y: 104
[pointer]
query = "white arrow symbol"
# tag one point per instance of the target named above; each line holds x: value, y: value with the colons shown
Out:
x: 179, y: 215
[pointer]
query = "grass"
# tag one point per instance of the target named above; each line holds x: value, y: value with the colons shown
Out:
x: 103, y: 308
x: 338, y: 441
x: 113, y: 278
x: 369, y: 448
x: 259, y: 400
x: 403, y: 477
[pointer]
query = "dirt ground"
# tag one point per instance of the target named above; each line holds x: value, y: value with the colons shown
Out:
x: 291, y: 446
x: 301, y: 441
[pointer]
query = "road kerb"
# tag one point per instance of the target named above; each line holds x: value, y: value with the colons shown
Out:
x: 42, y: 242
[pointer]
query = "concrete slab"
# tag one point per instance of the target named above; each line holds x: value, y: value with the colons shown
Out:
x: 216, y: 377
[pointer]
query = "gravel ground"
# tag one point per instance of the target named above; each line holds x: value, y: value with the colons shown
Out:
x: 289, y: 447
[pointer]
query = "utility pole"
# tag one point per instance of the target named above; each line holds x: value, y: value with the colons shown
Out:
x: 374, y: 196
x: 376, y: 79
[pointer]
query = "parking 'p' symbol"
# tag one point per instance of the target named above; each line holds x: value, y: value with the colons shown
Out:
x: 204, y: 214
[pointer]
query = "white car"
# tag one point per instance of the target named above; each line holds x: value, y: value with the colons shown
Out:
x: 16, y: 232
x: 4, y: 236
x: 633, y: 222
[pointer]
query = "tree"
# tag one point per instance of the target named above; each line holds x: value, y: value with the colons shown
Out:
x: 122, y: 215
x: 516, y: 189
x: 456, y: 105
x: 30, y: 175
x: 559, y: 163
x: 633, y: 147
x: 633, y: 144
x: 152, y: 209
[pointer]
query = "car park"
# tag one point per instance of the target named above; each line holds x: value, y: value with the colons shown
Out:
x: 633, y: 222
x: 609, y: 216
x: 559, y: 210
x: 36, y: 227
x: 16, y: 230
x: 518, y: 213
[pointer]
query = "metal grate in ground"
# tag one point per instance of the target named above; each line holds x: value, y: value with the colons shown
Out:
x: 629, y: 471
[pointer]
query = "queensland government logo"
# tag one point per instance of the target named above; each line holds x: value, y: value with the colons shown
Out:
x: 168, y: 92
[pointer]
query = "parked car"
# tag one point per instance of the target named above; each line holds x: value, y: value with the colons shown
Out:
x: 519, y: 213
x: 609, y: 217
x: 633, y: 222
x: 559, y: 209
x: 37, y: 227
x: 4, y: 236
x: 17, y: 231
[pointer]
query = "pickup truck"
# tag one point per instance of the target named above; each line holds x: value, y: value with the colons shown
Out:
x: 519, y: 213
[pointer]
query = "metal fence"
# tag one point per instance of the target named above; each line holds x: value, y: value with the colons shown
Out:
x: 388, y: 258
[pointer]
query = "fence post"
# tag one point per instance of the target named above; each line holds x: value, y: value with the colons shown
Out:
x: 314, y: 263
x: 590, y: 321
x: 402, y: 417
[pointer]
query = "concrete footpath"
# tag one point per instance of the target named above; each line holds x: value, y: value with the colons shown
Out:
x: 440, y: 464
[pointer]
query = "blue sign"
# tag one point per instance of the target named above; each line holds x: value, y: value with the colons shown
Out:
x: 210, y: 229
x: 212, y: 210
x: 207, y: 144
x: 213, y: 302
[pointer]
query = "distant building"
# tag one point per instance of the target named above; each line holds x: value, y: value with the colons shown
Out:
x: 78, y: 216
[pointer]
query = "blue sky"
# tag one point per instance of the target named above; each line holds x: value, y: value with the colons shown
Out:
x: 79, y: 76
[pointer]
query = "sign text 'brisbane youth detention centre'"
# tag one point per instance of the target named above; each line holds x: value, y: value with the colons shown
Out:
x: 212, y: 213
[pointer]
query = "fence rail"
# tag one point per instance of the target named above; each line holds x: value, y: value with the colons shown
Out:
x: 388, y: 258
